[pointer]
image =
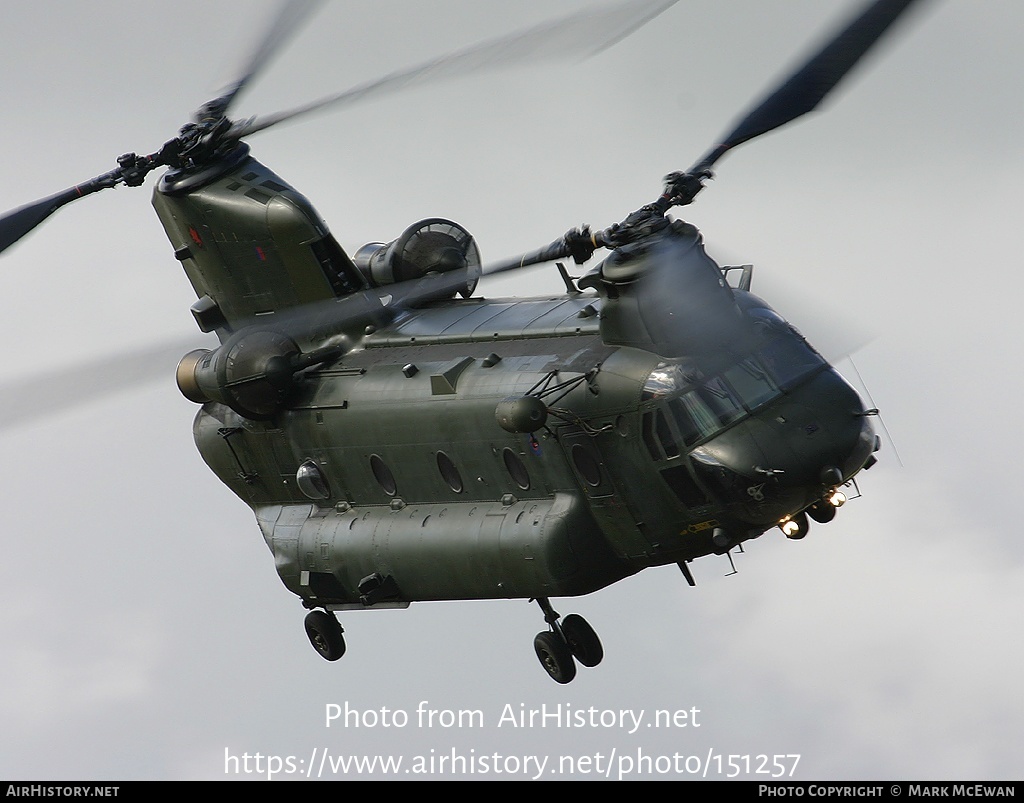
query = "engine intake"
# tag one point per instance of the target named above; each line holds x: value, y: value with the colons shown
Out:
x: 251, y: 373
x: 434, y: 245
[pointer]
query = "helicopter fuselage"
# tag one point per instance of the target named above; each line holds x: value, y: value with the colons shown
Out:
x: 384, y: 475
x: 397, y: 444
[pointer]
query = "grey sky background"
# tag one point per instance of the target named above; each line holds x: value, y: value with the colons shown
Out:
x: 144, y: 628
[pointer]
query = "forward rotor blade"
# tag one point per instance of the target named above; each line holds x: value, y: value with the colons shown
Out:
x: 288, y: 20
x: 807, y: 86
x: 549, y: 253
x: 16, y: 224
x: 377, y: 306
x: 581, y: 35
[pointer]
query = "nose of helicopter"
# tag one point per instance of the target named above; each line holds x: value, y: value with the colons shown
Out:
x: 814, y: 430
x: 790, y: 453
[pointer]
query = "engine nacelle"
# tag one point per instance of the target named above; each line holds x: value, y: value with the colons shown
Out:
x: 251, y: 373
x: 431, y: 246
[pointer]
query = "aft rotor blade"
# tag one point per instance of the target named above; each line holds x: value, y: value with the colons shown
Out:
x: 579, y: 35
x: 290, y: 17
x: 16, y: 224
x: 29, y: 399
x: 807, y: 86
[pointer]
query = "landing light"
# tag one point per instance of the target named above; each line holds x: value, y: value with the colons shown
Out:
x: 837, y: 498
x: 795, y: 527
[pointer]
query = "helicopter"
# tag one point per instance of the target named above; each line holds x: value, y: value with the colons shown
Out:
x: 398, y: 444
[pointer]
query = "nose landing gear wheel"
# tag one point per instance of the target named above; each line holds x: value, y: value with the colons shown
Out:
x: 583, y: 641
x: 555, y: 656
x: 325, y: 634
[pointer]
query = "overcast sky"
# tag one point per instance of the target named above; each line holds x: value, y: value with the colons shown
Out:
x: 144, y: 628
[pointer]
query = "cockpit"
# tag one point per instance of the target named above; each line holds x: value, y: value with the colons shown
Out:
x: 687, y: 402
x: 754, y: 432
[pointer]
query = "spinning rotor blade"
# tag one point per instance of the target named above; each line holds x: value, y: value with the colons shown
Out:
x: 582, y: 34
x: 799, y: 94
x: 132, y: 169
x: 549, y: 253
x: 29, y: 399
x: 288, y: 20
x: 212, y: 134
x: 807, y: 86
x: 15, y: 225
x: 323, y: 320
x: 319, y: 322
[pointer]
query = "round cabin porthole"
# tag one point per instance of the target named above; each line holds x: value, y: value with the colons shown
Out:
x: 383, y: 475
x: 586, y: 465
x: 311, y: 481
x: 449, y: 473
x: 516, y: 469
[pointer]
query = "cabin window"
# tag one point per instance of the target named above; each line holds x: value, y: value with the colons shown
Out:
x: 586, y: 465
x: 449, y: 472
x: 383, y: 475
x: 311, y: 481
x: 516, y: 469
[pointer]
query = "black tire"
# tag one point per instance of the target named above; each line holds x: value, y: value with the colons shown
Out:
x: 583, y: 641
x: 325, y: 634
x: 555, y: 656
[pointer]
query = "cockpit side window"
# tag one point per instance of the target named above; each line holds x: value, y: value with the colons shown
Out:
x: 692, y: 406
x: 720, y: 398
x: 668, y: 441
x: 694, y: 418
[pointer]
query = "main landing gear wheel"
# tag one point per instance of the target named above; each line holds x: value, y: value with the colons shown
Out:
x: 325, y: 634
x: 555, y: 656
x: 567, y: 642
x: 582, y: 640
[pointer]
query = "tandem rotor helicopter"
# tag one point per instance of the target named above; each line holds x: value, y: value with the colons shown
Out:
x: 400, y: 439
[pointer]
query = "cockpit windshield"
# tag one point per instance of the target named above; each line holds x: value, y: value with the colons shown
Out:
x: 698, y: 401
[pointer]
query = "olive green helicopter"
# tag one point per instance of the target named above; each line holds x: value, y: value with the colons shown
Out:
x: 400, y: 439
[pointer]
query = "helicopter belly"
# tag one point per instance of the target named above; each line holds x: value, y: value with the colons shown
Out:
x: 468, y: 550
